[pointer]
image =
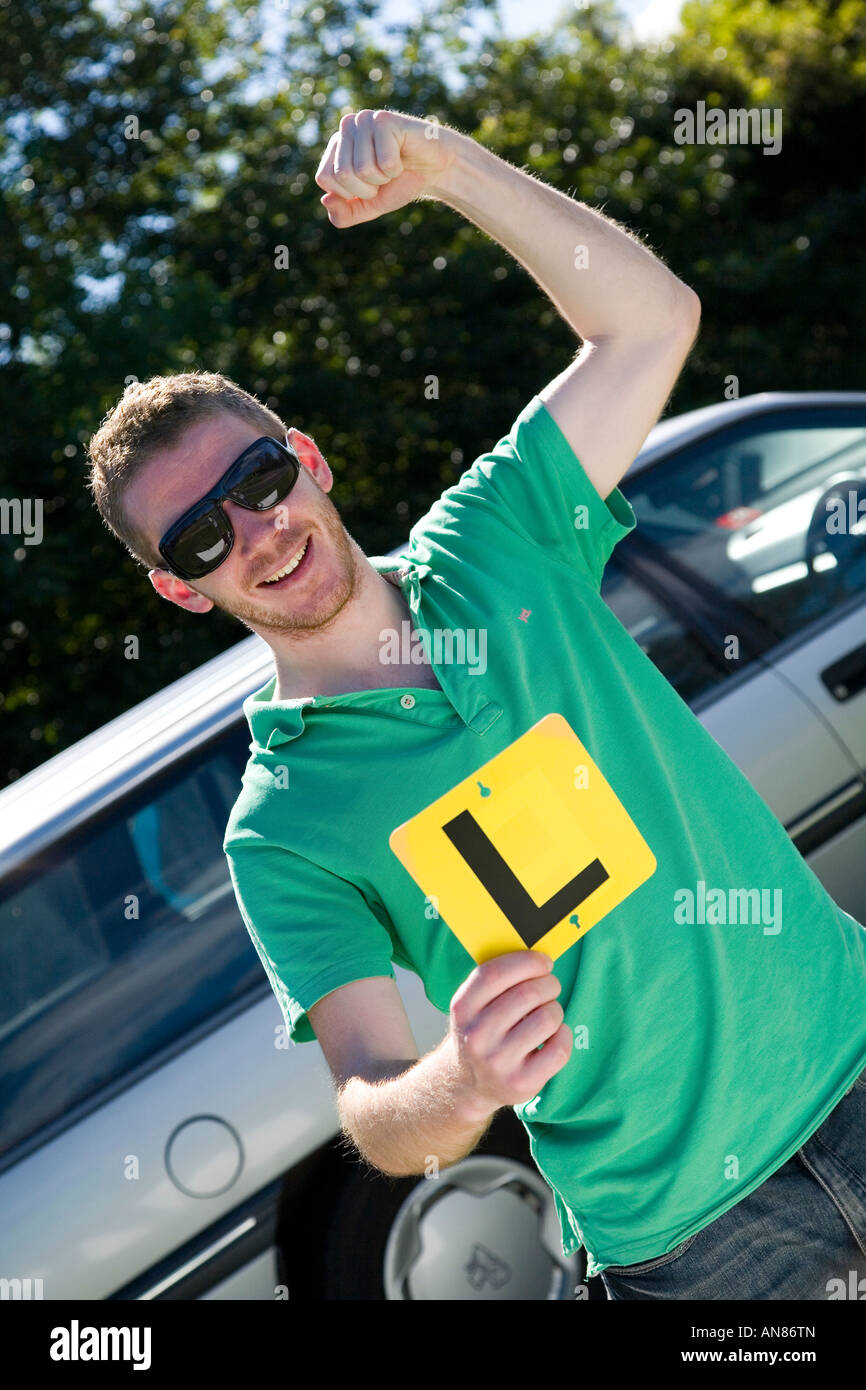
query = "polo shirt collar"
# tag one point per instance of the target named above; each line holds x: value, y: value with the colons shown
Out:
x: 277, y: 721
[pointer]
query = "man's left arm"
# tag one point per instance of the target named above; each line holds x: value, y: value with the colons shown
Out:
x: 637, y: 320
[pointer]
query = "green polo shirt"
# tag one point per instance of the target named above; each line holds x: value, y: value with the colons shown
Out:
x: 710, y: 1044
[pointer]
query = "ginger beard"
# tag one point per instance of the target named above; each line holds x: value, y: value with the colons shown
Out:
x: 334, y: 580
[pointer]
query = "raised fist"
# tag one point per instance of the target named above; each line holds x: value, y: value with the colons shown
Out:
x: 380, y: 160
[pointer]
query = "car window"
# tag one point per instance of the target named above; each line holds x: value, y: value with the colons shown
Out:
x: 120, y: 941
x: 674, y: 647
x: 771, y: 511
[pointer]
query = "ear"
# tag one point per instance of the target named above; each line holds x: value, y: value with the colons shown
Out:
x: 168, y: 586
x: 310, y: 456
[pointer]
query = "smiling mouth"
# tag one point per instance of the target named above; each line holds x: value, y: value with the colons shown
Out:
x: 288, y: 570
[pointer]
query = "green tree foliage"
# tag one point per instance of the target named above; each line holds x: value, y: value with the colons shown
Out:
x: 154, y: 158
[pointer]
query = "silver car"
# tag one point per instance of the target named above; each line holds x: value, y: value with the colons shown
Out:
x: 159, y: 1136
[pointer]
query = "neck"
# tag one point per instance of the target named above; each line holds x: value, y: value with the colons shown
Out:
x: 343, y: 654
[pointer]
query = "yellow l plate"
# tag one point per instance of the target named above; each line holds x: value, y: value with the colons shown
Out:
x: 530, y: 851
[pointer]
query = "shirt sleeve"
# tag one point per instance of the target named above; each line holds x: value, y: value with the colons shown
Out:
x: 313, y: 931
x: 533, y: 483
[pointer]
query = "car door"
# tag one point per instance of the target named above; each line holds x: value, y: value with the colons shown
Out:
x: 124, y: 961
x: 724, y: 586
x: 152, y: 1110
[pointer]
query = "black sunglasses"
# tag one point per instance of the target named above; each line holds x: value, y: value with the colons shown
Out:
x: 258, y: 479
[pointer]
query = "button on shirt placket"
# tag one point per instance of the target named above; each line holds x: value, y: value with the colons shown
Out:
x: 460, y: 689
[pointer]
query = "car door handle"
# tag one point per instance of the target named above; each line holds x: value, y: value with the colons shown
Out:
x: 846, y: 676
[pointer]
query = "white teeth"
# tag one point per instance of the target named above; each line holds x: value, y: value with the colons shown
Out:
x: 292, y: 565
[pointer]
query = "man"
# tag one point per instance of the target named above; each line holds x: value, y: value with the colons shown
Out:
x: 707, y: 1137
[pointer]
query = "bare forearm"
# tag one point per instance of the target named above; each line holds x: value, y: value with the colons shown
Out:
x: 602, y: 280
x: 400, y: 1124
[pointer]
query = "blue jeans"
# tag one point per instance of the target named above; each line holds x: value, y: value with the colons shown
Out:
x: 801, y: 1234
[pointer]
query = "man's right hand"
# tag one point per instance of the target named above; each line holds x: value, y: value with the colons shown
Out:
x: 379, y: 161
x: 499, y: 1016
